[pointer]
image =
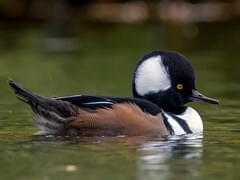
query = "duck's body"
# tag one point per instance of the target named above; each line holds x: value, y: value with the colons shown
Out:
x: 188, y: 121
x: 157, y: 108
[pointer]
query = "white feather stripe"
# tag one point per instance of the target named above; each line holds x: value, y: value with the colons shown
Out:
x: 100, y: 102
x: 178, y: 130
x: 192, y: 119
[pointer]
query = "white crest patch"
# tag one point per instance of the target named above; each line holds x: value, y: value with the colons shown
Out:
x: 152, y: 76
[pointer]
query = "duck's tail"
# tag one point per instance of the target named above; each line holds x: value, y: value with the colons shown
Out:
x: 49, y: 113
x: 23, y: 94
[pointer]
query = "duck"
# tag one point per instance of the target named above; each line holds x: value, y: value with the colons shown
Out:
x: 163, y: 83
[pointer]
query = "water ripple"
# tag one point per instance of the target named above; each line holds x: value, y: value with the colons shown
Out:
x: 159, y: 159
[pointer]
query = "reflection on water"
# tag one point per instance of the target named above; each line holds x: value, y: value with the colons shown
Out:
x: 164, y: 159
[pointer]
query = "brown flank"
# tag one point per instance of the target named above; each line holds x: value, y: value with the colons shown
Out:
x: 121, y: 119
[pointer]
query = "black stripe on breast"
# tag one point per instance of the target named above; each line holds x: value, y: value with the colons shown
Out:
x: 168, y: 125
x: 182, y: 123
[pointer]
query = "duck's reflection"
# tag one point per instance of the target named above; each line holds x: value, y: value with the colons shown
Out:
x: 174, y: 158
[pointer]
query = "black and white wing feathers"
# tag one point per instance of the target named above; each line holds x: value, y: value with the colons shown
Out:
x: 95, y: 102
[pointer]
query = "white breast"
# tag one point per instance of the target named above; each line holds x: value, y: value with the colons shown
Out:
x: 190, y: 117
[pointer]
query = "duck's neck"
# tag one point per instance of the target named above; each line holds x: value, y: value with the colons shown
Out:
x: 186, y: 122
x: 168, y: 100
x: 177, y: 111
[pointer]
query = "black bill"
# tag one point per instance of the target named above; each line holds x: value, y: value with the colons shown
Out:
x: 197, y: 96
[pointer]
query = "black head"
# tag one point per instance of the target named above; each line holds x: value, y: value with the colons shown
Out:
x: 168, y: 80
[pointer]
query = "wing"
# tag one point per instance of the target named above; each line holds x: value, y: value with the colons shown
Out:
x: 96, y: 102
x: 92, y: 102
x: 120, y: 119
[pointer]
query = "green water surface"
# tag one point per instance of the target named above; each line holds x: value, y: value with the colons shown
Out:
x: 103, y: 65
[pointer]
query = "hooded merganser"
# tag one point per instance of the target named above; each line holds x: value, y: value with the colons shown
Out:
x: 163, y: 83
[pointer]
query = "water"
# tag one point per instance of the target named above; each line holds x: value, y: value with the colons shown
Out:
x: 104, y: 65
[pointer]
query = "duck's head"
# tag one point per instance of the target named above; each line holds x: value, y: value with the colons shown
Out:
x: 168, y: 80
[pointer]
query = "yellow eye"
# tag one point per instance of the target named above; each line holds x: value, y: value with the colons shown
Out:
x: 179, y: 86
